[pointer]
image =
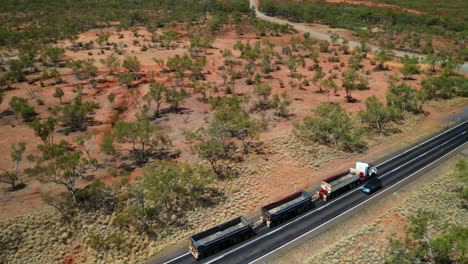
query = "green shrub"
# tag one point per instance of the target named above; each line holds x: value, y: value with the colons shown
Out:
x: 121, y: 108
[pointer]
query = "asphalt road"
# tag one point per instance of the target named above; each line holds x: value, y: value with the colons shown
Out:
x: 392, y: 170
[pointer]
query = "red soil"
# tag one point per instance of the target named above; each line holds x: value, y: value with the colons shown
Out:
x: 285, y: 177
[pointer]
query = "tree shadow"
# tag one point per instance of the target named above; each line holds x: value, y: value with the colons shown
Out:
x: 352, y: 100
x: 6, y: 113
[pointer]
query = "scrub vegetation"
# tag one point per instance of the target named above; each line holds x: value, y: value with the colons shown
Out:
x: 137, y: 122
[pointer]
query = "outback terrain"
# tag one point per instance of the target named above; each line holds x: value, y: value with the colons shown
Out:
x: 147, y: 123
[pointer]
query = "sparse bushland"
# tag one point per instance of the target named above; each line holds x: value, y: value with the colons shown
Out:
x: 216, y: 142
x: 350, y: 16
x: 49, y: 21
x: 399, y: 29
x: 172, y: 199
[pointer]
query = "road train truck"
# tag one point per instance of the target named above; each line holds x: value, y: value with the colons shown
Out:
x: 220, y: 237
x: 239, y: 229
x: 336, y: 184
x: 286, y: 208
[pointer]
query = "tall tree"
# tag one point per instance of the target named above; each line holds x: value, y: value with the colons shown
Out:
x: 157, y: 91
x: 352, y: 81
x: 382, y: 56
x: 60, y: 164
x: 179, y: 65
x: 329, y: 85
x: 75, y: 115
x: 405, y: 98
x: 317, y: 79
x: 410, y: 67
x: 377, y: 116
x: 142, y: 137
x: 15, y: 178
x: 112, y: 62
x: 331, y: 126
x: 45, y: 130
x: 21, y: 107
x: 230, y: 117
x: 213, y: 145
x: 432, y: 61
x: 54, y: 54
x: 132, y: 64
x: 59, y: 94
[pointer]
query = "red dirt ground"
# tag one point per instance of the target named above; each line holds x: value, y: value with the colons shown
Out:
x: 284, y: 175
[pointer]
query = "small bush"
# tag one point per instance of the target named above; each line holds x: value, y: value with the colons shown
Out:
x: 122, y: 220
x: 95, y: 240
x: 121, y: 109
x: 116, y: 239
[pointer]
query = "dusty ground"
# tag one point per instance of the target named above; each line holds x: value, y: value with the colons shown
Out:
x: 364, y: 237
x: 176, y: 125
x: 287, y: 165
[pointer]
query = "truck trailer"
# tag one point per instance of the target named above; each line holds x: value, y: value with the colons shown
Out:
x: 220, y: 237
x: 286, y: 208
x: 336, y: 184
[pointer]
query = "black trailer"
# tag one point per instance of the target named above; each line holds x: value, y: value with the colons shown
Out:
x: 286, y: 208
x: 220, y: 237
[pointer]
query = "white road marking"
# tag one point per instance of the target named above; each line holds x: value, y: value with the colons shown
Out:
x: 422, y: 143
x: 335, y: 200
x: 174, y: 259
